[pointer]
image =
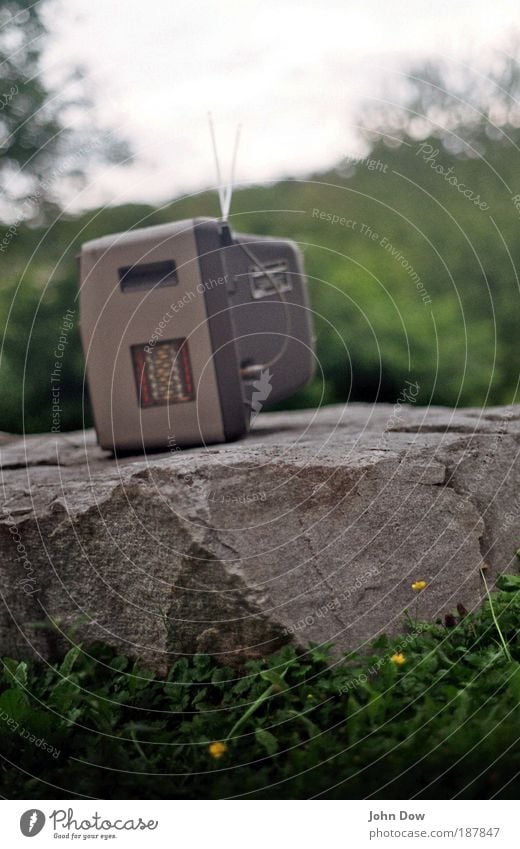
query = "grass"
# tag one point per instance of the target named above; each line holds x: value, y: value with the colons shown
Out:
x: 430, y: 715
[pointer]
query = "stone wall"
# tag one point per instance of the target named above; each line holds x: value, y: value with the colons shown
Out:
x: 312, y: 529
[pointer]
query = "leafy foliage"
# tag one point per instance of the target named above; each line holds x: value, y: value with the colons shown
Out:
x: 410, y: 278
x: 301, y: 724
x: 374, y: 330
x: 46, y: 136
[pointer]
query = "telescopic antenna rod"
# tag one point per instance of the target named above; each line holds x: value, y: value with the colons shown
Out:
x: 225, y: 192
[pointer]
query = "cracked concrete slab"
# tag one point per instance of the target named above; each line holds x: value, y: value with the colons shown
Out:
x: 312, y: 529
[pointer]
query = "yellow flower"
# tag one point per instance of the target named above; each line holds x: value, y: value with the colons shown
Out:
x: 419, y: 585
x: 398, y: 659
x: 217, y: 749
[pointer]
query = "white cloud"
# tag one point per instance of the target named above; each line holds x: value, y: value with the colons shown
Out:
x: 293, y: 72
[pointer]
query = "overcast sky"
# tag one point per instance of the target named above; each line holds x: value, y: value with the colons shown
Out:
x: 294, y: 72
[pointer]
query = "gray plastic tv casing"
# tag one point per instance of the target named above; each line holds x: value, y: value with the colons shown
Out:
x: 227, y: 329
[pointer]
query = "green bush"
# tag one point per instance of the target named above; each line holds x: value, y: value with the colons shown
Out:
x: 451, y: 328
x: 431, y: 715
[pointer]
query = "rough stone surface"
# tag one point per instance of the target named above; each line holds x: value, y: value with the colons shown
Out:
x: 312, y: 529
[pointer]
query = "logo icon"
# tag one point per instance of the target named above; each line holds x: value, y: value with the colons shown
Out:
x: 32, y: 822
x: 262, y: 389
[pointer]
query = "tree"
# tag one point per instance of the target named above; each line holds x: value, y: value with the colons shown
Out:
x: 469, y: 107
x: 39, y: 146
